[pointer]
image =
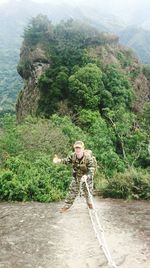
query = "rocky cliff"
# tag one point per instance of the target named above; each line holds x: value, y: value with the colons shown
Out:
x: 33, y: 63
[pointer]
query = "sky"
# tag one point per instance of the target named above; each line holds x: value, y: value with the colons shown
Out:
x: 121, y: 8
x: 114, y: 3
x: 117, y: 5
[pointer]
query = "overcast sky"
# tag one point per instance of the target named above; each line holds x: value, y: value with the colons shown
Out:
x: 117, y: 5
x: 126, y: 9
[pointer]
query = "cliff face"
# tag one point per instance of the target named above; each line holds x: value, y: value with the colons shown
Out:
x: 142, y: 92
x: 33, y: 63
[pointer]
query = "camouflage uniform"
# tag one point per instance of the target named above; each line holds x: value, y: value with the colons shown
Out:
x: 83, y: 166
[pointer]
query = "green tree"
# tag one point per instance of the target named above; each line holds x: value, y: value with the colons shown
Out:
x: 130, y: 140
x: 39, y: 30
x: 54, y: 88
x: 85, y: 87
x: 101, y: 139
x: 118, y: 90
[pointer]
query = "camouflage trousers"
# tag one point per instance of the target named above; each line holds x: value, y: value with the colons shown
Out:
x: 76, y: 187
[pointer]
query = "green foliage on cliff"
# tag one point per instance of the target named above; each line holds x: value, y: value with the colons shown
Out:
x: 68, y: 54
x: 85, y: 87
x: 75, y: 75
x: 117, y: 89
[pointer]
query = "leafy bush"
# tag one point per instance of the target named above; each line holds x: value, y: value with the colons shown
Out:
x: 70, y: 130
x: 132, y: 184
x: 141, y: 186
x: 39, y: 181
x: 10, y: 142
x: 42, y: 136
x: 27, y: 172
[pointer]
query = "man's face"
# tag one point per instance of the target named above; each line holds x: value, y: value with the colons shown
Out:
x: 79, y: 151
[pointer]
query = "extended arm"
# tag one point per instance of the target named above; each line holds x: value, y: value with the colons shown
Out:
x: 67, y: 160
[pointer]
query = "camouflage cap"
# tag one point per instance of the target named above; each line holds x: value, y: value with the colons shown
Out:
x: 79, y: 144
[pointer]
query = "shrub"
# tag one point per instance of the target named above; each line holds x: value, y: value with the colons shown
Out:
x: 42, y: 136
x: 39, y: 181
x: 10, y: 142
x: 132, y: 184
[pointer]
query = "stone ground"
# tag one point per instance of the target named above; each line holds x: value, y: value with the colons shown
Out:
x: 37, y: 235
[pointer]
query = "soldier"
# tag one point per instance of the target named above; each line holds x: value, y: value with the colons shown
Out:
x: 83, y: 169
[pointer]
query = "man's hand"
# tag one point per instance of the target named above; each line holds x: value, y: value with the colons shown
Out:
x: 84, y: 178
x: 56, y: 159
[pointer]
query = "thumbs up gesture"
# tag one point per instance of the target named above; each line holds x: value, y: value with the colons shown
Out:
x: 56, y: 159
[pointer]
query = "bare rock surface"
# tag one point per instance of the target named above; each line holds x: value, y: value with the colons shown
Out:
x: 37, y: 235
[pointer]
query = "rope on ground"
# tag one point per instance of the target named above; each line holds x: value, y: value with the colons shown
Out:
x: 99, y: 231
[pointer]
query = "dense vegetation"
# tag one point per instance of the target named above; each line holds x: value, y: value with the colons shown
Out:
x: 27, y: 171
x: 81, y: 99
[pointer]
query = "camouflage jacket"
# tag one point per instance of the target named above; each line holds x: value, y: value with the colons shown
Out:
x: 83, y: 166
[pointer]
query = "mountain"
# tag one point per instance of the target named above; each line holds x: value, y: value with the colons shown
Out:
x: 14, y: 18
x: 71, y: 66
x: 139, y: 40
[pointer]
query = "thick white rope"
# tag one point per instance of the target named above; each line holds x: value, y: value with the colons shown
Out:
x: 99, y: 230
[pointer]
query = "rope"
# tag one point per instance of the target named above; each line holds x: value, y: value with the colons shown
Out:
x: 99, y: 230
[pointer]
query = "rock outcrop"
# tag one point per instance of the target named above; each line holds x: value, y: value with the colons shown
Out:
x: 33, y: 63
